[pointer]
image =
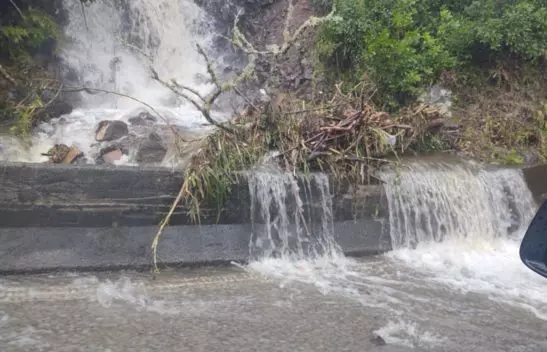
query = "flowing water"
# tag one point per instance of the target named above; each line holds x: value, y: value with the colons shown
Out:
x: 112, y: 46
x: 454, y: 281
x: 283, y: 225
x: 455, y: 228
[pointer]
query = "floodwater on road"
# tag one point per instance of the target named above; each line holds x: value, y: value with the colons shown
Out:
x: 341, y: 305
x: 454, y: 282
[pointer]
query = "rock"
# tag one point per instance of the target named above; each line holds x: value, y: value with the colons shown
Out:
x: 111, y: 154
x: 143, y: 119
x: 378, y: 340
x: 111, y: 130
x: 63, y: 154
x: 151, y: 150
x: 54, y: 110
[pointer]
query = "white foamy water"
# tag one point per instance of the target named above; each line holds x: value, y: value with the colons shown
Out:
x: 113, y: 48
x: 456, y: 230
x: 122, y: 42
x: 135, y: 294
x: 408, y: 334
x: 462, y: 226
x: 284, y: 226
x: 291, y: 240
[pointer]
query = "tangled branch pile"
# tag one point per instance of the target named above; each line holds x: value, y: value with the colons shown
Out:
x: 346, y: 137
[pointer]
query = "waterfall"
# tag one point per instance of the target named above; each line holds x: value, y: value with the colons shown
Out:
x: 292, y: 217
x: 456, y: 201
x: 112, y: 45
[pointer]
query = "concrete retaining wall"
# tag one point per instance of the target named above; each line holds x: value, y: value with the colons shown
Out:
x: 95, y: 217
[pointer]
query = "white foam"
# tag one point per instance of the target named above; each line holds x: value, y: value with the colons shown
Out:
x: 408, y: 334
x: 490, y: 268
x: 133, y: 293
x: 482, y: 215
x: 461, y: 226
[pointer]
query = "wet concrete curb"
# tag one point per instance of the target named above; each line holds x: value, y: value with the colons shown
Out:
x: 61, y: 217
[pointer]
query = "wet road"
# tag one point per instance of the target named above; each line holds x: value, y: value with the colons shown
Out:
x: 235, y: 310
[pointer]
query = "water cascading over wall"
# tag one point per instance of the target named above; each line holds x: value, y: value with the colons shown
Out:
x: 291, y: 217
x: 463, y: 201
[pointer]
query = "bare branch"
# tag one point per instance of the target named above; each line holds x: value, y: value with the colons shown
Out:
x: 191, y: 90
x: 165, y: 222
x: 91, y: 90
x: 204, y: 108
x: 310, y: 23
x: 57, y: 94
x: 206, y: 102
x: 7, y: 76
x: 17, y: 8
x: 210, y: 69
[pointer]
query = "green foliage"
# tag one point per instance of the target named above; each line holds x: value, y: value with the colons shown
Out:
x: 403, y: 45
x: 25, y: 31
x: 322, y: 6
x: 485, y: 29
x: 27, y: 34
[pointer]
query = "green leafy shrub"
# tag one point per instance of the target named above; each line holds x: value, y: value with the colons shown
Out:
x: 321, y: 6
x: 403, y: 45
x: 26, y: 34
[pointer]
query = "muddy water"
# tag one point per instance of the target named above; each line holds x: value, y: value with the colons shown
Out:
x: 238, y: 310
x: 454, y: 282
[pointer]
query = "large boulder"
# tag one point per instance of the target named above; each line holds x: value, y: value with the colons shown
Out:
x: 108, y: 130
x: 56, y: 109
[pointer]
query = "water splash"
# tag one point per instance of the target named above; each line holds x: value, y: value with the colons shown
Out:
x: 132, y: 293
x: 408, y: 334
x: 456, y: 230
x: 293, y: 236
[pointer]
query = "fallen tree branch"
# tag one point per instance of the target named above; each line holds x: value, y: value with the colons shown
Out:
x: 165, y: 222
x: 7, y: 76
x: 313, y: 21
x: 206, y: 102
x: 57, y: 94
